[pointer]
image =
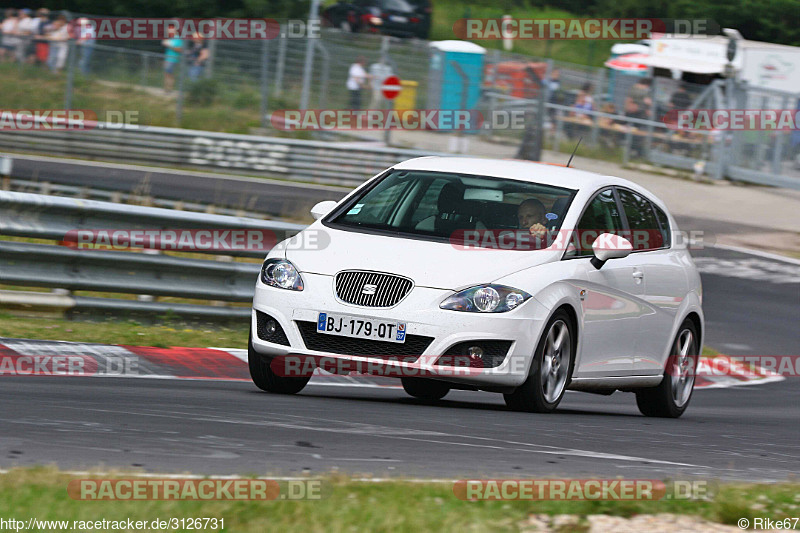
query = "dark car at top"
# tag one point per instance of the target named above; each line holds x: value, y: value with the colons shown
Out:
x: 401, y: 18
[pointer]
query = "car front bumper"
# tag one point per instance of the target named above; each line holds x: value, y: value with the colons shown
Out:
x: 420, y: 311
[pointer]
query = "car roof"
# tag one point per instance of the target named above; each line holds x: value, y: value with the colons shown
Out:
x: 532, y: 171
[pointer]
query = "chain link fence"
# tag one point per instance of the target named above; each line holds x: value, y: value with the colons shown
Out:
x: 615, y: 114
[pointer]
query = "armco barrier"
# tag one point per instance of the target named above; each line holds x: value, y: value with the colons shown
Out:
x: 59, y: 267
x: 313, y: 161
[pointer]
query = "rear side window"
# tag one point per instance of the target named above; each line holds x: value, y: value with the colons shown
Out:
x: 601, y: 216
x: 644, y: 231
x: 666, y: 231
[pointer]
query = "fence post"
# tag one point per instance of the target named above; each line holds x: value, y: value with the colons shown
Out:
x: 264, y: 81
x: 309, y: 62
x: 212, y: 54
x: 326, y: 67
x: 280, y: 64
x: 181, y: 79
x: 777, y: 150
x: 145, y: 68
x: 559, y: 130
x: 6, y: 164
x: 626, y: 147
x: 72, y: 55
x: 651, y: 117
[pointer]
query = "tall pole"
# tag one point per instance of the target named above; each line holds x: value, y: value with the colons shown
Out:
x: 264, y: 81
x: 71, y: 62
x: 312, y: 17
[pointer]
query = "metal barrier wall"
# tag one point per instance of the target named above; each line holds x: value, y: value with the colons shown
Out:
x: 310, y: 161
x: 60, y: 267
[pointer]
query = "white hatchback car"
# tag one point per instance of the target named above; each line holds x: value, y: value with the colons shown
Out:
x: 514, y: 277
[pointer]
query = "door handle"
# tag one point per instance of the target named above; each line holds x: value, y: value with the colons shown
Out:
x: 638, y: 274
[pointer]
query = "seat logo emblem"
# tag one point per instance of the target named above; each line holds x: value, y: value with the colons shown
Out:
x: 369, y: 288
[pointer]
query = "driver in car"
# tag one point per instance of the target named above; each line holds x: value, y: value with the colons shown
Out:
x: 530, y: 215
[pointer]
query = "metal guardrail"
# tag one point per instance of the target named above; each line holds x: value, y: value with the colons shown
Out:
x: 60, y: 267
x: 312, y: 161
x: 51, y: 217
x: 119, y: 197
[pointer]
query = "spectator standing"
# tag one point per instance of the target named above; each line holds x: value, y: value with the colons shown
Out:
x: 174, y: 49
x: 59, y: 44
x: 41, y: 46
x: 25, y: 30
x: 197, y: 56
x: 356, y: 80
x: 8, y: 46
x: 85, y: 41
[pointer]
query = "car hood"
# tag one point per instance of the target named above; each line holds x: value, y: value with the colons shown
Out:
x: 438, y: 265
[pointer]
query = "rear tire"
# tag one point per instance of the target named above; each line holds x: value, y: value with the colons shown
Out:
x: 266, y: 379
x: 551, y: 368
x: 671, y: 397
x: 425, y: 389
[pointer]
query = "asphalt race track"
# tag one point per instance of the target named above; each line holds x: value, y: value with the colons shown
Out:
x: 747, y: 432
x: 278, y: 198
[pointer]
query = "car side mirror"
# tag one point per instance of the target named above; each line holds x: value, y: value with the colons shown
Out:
x: 322, y: 209
x: 609, y: 246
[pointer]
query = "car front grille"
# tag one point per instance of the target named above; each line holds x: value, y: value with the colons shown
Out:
x: 407, y: 352
x: 371, y: 289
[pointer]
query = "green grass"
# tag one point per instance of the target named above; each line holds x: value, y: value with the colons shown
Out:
x: 351, y: 505
x: 169, y: 333
x: 232, y: 110
x: 584, y: 52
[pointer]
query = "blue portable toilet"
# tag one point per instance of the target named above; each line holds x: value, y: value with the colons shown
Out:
x: 451, y: 62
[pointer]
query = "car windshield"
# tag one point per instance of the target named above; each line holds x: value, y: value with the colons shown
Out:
x: 441, y: 206
x: 397, y: 5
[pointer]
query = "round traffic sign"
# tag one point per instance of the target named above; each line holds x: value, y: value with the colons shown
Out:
x: 391, y: 87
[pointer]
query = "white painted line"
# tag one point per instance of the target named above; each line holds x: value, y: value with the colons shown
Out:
x: 750, y: 251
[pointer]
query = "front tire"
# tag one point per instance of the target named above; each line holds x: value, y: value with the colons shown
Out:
x: 266, y: 379
x: 671, y: 397
x: 550, y: 370
x: 425, y: 389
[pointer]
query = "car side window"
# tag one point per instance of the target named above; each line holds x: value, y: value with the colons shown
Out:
x: 666, y: 231
x: 601, y: 216
x: 644, y: 232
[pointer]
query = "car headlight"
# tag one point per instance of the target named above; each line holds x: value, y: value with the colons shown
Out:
x: 486, y: 299
x: 282, y: 274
